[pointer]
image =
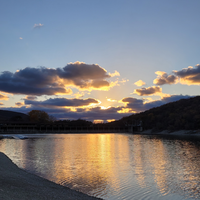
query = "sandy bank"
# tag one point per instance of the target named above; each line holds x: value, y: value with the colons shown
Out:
x: 16, y: 184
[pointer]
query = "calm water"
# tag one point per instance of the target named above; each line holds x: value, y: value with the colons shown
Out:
x: 113, y: 166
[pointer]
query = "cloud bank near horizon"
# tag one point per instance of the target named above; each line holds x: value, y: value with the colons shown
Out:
x: 61, y: 107
x: 35, y: 82
x: 62, y: 102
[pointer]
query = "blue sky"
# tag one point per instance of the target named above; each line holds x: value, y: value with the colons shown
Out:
x: 120, y: 41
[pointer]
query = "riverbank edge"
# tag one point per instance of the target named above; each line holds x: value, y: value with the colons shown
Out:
x: 167, y: 132
x: 16, y: 183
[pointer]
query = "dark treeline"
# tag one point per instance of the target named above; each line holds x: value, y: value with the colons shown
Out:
x: 78, y: 122
x: 182, y: 114
x: 85, y: 123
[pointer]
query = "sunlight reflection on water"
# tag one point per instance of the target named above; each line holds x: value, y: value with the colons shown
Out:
x: 113, y: 166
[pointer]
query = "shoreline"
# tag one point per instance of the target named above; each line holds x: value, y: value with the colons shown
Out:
x: 166, y: 132
x: 17, y: 184
x: 20, y: 135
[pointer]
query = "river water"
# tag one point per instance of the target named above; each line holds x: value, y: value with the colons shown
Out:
x: 113, y: 166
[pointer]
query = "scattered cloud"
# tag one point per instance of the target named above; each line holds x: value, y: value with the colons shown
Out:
x: 124, y: 81
x: 1, y: 104
x: 38, y: 25
x: 111, y: 100
x: 98, y: 121
x: 116, y: 73
x: 149, y: 91
x: 19, y: 104
x: 164, y: 78
x: 21, y: 38
x: 189, y: 76
x: 140, y: 83
x: 31, y: 98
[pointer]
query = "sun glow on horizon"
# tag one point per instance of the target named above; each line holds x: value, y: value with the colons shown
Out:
x: 104, y: 108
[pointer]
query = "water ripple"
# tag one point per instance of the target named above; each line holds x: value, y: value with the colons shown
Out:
x: 113, y: 166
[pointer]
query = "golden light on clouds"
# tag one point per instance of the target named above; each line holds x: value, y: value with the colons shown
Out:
x: 160, y: 73
x: 124, y: 80
x: 189, y: 81
x: 78, y: 95
x: 116, y: 73
x: 154, y: 90
x: 149, y: 99
x: 140, y: 83
x: 104, y: 108
x: 189, y: 76
x: 111, y: 100
x: 67, y: 91
x: 164, y: 78
x: 98, y: 121
x: 3, y: 97
x: 126, y: 110
x: 165, y: 95
x: 110, y: 120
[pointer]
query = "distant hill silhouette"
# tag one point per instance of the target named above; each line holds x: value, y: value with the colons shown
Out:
x: 10, y: 116
x: 182, y: 114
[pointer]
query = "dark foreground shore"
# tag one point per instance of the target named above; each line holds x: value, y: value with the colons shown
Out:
x: 16, y: 184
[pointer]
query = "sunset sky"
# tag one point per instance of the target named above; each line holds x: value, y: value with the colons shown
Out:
x: 97, y: 59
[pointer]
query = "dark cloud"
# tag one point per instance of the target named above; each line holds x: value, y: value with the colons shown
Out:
x: 45, y: 81
x: 133, y: 103
x: 32, y: 81
x: 189, y: 76
x: 139, y: 105
x: 94, y: 113
x: 57, y: 102
x: 84, y: 76
x: 148, y: 91
x: 164, y: 78
x: 30, y: 98
x: 1, y: 104
x: 80, y: 70
x: 19, y: 104
x: 99, y: 84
